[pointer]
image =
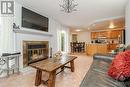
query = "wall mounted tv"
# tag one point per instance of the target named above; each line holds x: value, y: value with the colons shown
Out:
x: 34, y: 20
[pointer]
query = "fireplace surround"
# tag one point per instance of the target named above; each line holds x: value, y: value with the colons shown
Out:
x: 34, y: 51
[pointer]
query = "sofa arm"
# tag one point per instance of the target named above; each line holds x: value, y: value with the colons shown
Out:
x: 105, y: 57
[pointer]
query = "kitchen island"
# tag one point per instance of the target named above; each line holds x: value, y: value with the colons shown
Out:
x: 94, y: 48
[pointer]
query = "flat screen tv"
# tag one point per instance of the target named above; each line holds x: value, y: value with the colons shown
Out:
x: 34, y: 20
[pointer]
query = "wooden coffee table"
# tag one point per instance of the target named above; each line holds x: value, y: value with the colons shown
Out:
x: 51, y: 65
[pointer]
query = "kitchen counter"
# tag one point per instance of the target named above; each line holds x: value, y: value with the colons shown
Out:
x: 94, y: 48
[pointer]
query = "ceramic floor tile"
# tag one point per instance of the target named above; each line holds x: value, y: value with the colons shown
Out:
x: 64, y: 79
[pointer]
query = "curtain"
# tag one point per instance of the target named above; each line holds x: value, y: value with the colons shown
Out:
x: 64, y: 30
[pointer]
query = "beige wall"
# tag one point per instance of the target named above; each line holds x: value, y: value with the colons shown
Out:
x: 82, y: 36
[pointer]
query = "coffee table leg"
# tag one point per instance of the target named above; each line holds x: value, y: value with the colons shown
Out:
x: 62, y: 68
x: 52, y: 77
x: 38, y: 77
x: 72, y: 66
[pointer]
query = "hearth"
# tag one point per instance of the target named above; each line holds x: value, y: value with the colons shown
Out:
x: 34, y: 51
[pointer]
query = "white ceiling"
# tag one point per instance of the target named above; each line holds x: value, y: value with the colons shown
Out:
x: 88, y: 12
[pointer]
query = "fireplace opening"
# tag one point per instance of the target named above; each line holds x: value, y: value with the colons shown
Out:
x: 34, y: 51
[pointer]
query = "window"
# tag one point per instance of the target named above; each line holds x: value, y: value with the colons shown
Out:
x: 74, y: 37
x: 62, y: 41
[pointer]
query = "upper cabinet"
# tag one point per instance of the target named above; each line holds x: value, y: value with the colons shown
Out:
x: 112, y: 34
x: 95, y: 35
x: 117, y: 34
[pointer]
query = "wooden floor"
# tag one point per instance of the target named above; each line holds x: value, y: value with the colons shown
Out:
x: 64, y: 79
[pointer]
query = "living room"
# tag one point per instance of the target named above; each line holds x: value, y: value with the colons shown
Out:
x: 35, y: 31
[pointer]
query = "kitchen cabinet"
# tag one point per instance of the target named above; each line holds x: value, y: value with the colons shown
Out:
x: 114, y: 34
x: 92, y: 49
x: 102, y: 34
x: 112, y: 47
x: 111, y: 34
x: 95, y: 35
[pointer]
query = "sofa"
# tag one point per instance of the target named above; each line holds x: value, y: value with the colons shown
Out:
x: 97, y: 75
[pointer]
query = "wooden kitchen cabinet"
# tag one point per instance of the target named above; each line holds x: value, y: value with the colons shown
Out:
x: 95, y: 35
x: 112, y: 47
x: 102, y: 48
x: 102, y: 34
x: 115, y: 34
x: 92, y: 49
x: 112, y: 34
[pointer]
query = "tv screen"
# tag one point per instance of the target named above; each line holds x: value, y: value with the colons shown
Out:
x: 33, y: 20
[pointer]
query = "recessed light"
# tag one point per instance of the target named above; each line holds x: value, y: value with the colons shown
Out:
x: 112, y: 25
x: 78, y: 30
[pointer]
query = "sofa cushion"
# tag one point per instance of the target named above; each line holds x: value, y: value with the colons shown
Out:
x: 97, y: 76
x: 104, y: 57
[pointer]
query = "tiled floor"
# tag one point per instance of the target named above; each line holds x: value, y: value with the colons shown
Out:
x: 64, y: 79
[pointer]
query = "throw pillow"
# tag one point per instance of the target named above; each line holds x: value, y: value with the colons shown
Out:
x: 120, y: 67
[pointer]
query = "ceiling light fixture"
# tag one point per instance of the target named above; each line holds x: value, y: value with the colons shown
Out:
x: 111, y: 25
x: 78, y: 30
x: 68, y: 6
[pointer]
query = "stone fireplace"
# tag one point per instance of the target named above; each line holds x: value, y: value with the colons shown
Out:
x: 34, y: 51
